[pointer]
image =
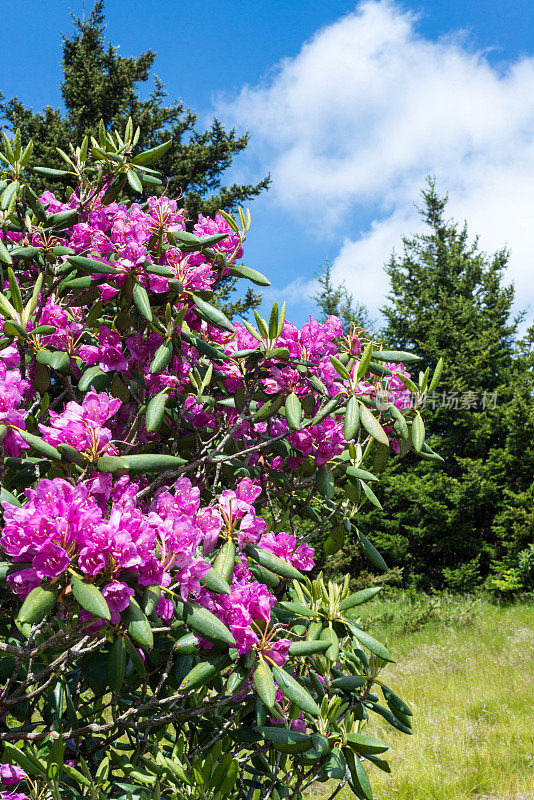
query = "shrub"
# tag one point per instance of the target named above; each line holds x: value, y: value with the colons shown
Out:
x: 161, y: 632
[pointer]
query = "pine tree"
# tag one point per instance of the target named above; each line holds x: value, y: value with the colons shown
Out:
x: 101, y: 84
x: 336, y: 300
x: 459, y: 523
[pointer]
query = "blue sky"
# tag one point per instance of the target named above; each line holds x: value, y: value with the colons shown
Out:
x: 349, y: 106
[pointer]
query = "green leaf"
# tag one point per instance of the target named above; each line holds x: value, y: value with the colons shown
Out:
x: 161, y: 358
x: 390, y: 717
x: 137, y: 624
x: 325, y: 482
x: 366, y: 744
x: 112, y: 464
x: 37, y: 605
x: 295, y: 692
x: 368, y: 641
x: 371, y: 495
x: 273, y: 563
x: 94, y: 378
x: 203, y: 622
x: 327, y: 409
x: 336, y: 766
x: 351, y: 422
x: 298, y: 608
x: 72, y: 455
x: 133, y: 180
x: 360, y: 597
x: 151, y: 598
x: 308, y: 648
x: 360, y: 779
x: 153, y: 462
x: 43, y: 448
x: 334, y: 541
x: 268, y: 409
x: 116, y: 665
x: 365, y: 359
x: 418, y: 432
x: 371, y: 552
x: 215, y: 582
x: 155, y: 411
x: 142, y: 301
x: 395, y: 703
x: 187, y: 645
x: 372, y: 425
x: 293, y: 411
x: 395, y: 356
x: 252, y: 275
x: 264, y: 683
x: 31, y: 766
x: 91, y: 265
x: 340, y: 368
x: 286, y: 741
x: 150, y: 156
x: 329, y: 635
x: 212, y: 314
x: 436, y: 376
x: 205, y: 671
x: 4, y: 254
x: 90, y: 598
x: 401, y: 426
x: 361, y: 474
x: 225, y: 561
x: 349, y: 682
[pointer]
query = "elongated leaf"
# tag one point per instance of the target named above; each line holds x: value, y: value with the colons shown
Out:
x: 264, y: 683
x: 137, y: 624
x: 94, y: 378
x: 205, y: 671
x: 58, y: 360
x: 251, y: 274
x: 360, y: 779
x: 150, y: 156
x: 37, y: 605
x: 349, y: 682
x: 293, y: 411
x: 43, y: 448
x: 203, y: 622
x: 155, y: 411
x: 366, y: 744
x: 212, y: 314
x: 153, y: 462
x: 116, y: 665
x: 401, y: 425
x: 286, y: 741
x: 92, y: 265
x: 90, y: 598
x: 308, y: 648
x: 418, y: 432
x: 351, y: 421
x: 359, y: 597
x: 4, y: 254
x: 336, y: 766
x: 390, y: 717
x: 142, y: 302
x: 273, y: 563
x: 371, y: 495
x: 325, y: 482
x: 395, y: 356
x: 161, y: 358
x: 225, y: 560
x: 363, y: 364
x: 295, y: 692
x: 372, y: 425
x: 133, y: 180
x: 215, y: 582
x: 362, y: 474
x: 112, y: 464
x: 369, y: 642
x: 371, y: 552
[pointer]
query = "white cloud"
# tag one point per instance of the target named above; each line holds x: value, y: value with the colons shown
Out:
x: 367, y: 109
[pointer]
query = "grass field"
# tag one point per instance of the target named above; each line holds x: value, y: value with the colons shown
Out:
x: 467, y: 670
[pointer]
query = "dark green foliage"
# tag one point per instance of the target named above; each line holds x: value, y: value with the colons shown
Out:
x: 461, y: 523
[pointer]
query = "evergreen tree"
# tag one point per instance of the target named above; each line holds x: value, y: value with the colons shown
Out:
x: 101, y: 84
x: 460, y: 523
x: 336, y: 300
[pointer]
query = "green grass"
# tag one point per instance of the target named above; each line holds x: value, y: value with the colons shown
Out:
x: 466, y: 667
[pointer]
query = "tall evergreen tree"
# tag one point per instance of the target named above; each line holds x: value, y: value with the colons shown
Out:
x: 101, y: 84
x: 457, y: 524
x: 335, y: 299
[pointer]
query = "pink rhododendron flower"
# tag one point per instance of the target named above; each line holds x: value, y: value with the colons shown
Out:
x: 10, y: 774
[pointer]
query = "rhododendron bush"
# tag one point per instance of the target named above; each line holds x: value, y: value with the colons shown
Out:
x: 167, y: 479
